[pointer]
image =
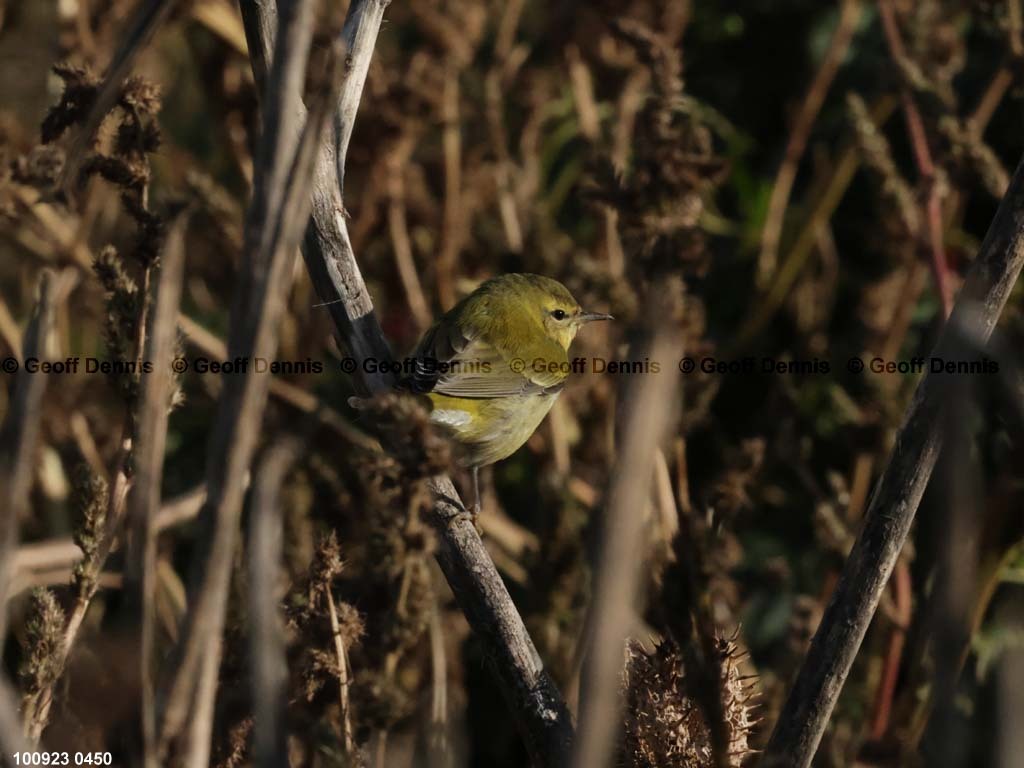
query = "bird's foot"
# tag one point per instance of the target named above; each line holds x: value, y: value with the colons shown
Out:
x: 474, y: 516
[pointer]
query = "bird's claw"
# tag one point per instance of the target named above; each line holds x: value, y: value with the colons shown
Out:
x: 473, y: 513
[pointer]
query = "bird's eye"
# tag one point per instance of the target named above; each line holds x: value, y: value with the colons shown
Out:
x: 559, y: 314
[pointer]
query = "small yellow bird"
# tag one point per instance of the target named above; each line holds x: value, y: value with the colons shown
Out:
x: 494, y: 364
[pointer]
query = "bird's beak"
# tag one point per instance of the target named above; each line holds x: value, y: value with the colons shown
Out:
x: 588, y: 317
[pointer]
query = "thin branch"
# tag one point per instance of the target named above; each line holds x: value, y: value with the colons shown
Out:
x: 269, y: 665
x: 20, y: 432
x: 327, y: 248
x: 849, y: 15
x: 535, y: 702
x: 276, y: 216
x: 533, y: 698
x: 61, y: 554
x: 144, y: 497
x: 897, y: 495
x: 618, y: 570
x: 925, y: 165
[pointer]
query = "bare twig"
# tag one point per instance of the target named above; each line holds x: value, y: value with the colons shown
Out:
x: 20, y: 431
x: 302, y: 400
x: 269, y: 665
x: 144, y: 497
x: 327, y: 248
x: 897, y: 495
x: 274, y: 222
x: 849, y: 14
x: 59, y: 555
x: 538, y: 707
x: 925, y: 165
x: 618, y: 570
x: 344, y: 676
x: 399, y: 228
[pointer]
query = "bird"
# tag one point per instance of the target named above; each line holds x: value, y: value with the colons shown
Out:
x: 495, y: 363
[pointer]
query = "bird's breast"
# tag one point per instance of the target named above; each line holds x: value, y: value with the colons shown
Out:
x: 490, y: 429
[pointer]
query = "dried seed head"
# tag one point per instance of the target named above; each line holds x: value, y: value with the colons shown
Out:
x: 403, y: 423
x: 89, y: 497
x: 80, y: 86
x: 44, y: 631
x: 665, y: 725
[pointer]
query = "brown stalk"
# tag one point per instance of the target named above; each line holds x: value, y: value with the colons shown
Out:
x: 269, y: 662
x: 925, y: 165
x: 19, y: 435
x: 897, y: 495
x: 495, y: 114
x: 60, y: 554
x: 849, y: 15
x: 148, y: 455
x: 534, y: 700
x: 298, y: 398
x: 452, y: 228
x: 796, y: 259
x: 399, y: 229
x: 648, y: 413
x: 344, y: 676
x: 275, y: 219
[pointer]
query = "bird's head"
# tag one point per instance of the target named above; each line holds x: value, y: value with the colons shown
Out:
x: 560, y: 314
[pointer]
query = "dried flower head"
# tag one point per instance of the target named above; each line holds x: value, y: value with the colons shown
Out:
x: 89, y: 497
x: 665, y: 726
x: 44, y: 633
x: 403, y: 424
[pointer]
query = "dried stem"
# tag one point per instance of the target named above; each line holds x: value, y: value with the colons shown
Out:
x: 536, y: 704
x: 269, y: 662
x: 274, y: 223
x: 344, y: 675
x: 849, y: 14
x: 144, y: 498
x: 897, y: 495
x: 925, y: 165
x: 618, y: 570
x: 20, y: 432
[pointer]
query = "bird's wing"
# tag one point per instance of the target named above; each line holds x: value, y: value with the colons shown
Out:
x: 451, y: 362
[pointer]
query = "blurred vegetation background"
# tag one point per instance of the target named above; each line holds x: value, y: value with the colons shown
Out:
x: 612, y: 146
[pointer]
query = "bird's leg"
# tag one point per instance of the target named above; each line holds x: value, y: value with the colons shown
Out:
x: 476, y: 492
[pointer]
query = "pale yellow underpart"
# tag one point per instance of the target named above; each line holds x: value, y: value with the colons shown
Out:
x: 509, y: 423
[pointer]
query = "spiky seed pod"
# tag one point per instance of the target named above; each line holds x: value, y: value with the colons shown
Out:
x: 44, y: 632
x: 664, y: 725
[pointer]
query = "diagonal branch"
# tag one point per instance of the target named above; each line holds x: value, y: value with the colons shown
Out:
x: 535, y: 702
x: 897, y: 495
